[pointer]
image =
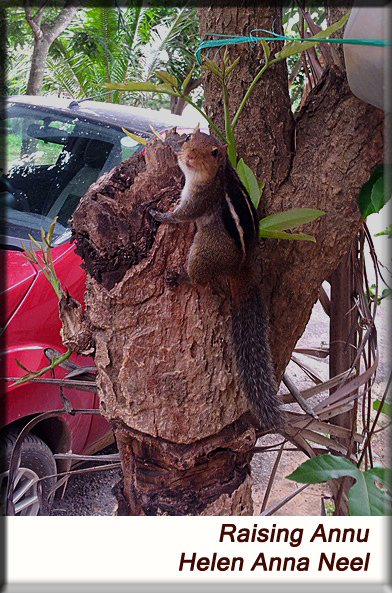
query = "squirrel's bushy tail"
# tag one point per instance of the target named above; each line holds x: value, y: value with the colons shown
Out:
x: 251, y: 348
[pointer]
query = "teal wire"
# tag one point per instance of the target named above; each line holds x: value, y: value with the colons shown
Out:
x: 227, y: 40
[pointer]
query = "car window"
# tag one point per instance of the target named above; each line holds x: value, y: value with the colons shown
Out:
x: 23, y: 149
x: 129, y: 147
x: 51, y: 162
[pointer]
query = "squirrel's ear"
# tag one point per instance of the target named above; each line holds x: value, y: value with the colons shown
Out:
x: 223, y: 150
x: 196, y: 129
x: 222, y: 153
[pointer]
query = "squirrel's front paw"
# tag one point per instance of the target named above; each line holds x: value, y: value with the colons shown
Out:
x: 173, y: 278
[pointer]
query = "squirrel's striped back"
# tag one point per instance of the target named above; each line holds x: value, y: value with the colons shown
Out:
x: 238, y: 213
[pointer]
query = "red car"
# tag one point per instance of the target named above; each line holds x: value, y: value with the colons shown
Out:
x: 55, y: 149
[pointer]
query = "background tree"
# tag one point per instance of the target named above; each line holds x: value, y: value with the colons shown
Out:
x: 44, y: 34
x: 179, y: 39
x: 107, y: 44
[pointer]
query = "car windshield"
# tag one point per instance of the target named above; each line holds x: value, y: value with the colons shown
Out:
x: 51, y: 160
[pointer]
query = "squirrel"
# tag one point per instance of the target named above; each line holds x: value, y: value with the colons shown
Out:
x: 227, y: 229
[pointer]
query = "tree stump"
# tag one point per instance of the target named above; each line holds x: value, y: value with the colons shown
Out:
x: 165, y: 373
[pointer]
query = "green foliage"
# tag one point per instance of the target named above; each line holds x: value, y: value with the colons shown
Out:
x: 290, y: 219
x: 252, y: 186
x: 148, y: 87
x: 275, y: 225
x: 16, y: 31
x: 135, y: 137
x: 365, y: 497
x: 293, y: 47
x: 101, y: 45
x: 386, y: 294
x: 174, y: 89
x: 107, y: 43
x: 56, y: 361
x: 387, y: 232
x: 41, y: 255
x: 386, y: 408
x: 376, y: 192
x: 329, y: 507
x: 173, y: 44
x: 44, y: 261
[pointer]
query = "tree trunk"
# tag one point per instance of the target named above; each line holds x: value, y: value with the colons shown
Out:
x: 165, y: 374
x: 44, y: 35
x: 177, y: 105
x: 37, y: 68
x: 319, y: 159
x: 166, y: 377
x: 343, y: 326
x: 343, y: 337
x: 264, y: 133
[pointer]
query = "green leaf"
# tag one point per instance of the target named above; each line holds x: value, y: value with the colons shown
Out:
x: 379, y: 504
x: 187, y: 80
x: 34, y: 242
x: 230, y: 69
x: 147, y: 87
x: 375, y: 192
x: 167, y: 78
x: 210, y: 65
x: 249, y: 181
x: 386, y: 408
x: 35, y: 374
x: 378, y: 194
x: 382, y: 475
x: 364, y: 497
x: 289, y: 219
x: 49, y: 236
x: 387, y: 232
x: 265, y: 234
x: 322, y: 468
x: 157, y: 134
x: 294, y: 47
x: 134, y: 137
x: 364, y: 200
x: 266, y: 50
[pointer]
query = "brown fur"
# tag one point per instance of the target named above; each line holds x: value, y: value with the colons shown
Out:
x: 215, y: 253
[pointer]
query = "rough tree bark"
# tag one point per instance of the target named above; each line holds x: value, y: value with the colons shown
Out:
x: 44, y: 35
x: 165, y: 374
x: 318, y: 160
x: 166, y: 377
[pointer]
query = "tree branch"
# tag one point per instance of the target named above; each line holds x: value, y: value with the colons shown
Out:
x: 62, y: 20
x: 36, y: 29
x: 38, y: 15
x: 339, y: 140
x: 192, y: 85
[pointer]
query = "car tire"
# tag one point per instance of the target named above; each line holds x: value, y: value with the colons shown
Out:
x: 31, y: 497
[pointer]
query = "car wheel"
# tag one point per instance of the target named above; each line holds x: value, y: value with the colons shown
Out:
x: 31, y: 495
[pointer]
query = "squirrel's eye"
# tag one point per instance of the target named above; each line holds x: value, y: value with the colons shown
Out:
x: 187, y: 138
x: 215, y: 152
